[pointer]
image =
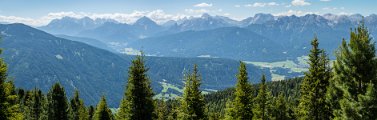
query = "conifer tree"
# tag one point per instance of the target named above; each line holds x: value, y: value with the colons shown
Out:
x: 241, y: 107
x: 9, y: 107
x: 3, y: 101
x: 45, y: 108
x: 78, y: 110
x: 280, y: 108
x: 368, y: 103
x: 333, y: 95
x: 262, y: 108
x: 34, y: 105
x: 354, y: 73
x: 13, y: 112
x: 22, y: 99
x: 102, y: 112
x: 57, y: 105
x: 173, y: 112
x: 230, y: 112
x: 162, y: 111
x: 137, y: 103
x: 91, y: 111
x: 312, y: 103
x: 192, y: 103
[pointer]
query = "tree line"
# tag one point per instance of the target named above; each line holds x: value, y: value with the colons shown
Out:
x: 344, y: 90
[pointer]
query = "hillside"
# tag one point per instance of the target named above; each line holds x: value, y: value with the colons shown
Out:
x: 229, y: 42
x: 89, y: 41
x: 38, y: 59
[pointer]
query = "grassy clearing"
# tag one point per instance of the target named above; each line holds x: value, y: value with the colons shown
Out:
x: 299, y: 66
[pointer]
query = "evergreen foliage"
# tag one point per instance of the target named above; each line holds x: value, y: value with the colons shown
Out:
x: 314, y: 87
x: 77, y: 108
x: 349, y: 91
x: 241, y: 107
x: 9, y: 107
x: 34, y: 105
x: 57, y: 105
x: 162, y: 110
x: 3, y: 77
x: 173, y: 109
x: 262, y: 108
x: 280, y: 108
x: 355, y: 75
x: 91, y: 112
x: 137, y: 103
x: 192, y: 103
x: 102, y: 112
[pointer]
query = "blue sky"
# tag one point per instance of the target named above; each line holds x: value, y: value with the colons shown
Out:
x: 40, y: 12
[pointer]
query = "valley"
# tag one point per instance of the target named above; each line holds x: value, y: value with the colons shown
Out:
x: 38, y: 60
x: 100, y: 50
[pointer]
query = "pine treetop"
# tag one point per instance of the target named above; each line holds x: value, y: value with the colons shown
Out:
x: 102, y: 112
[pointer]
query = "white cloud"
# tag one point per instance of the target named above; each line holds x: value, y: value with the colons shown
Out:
x: 39, y: 21
x: 237, y: 6
x: 325, y: 0
x: 345, y: 13
x: 329, y: 8
x: 294, y: 12
x: 203, y: 5
x: 299, y: 3
x: 157, y: 15
x: 258, y: 4
x: 332, y: 8
x: 14, y: 19
x: 196, y: 11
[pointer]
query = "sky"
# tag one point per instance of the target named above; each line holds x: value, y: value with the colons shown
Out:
x: 41, y: 12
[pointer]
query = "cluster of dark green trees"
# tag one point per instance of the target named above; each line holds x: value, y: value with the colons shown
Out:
x: 345, y: 90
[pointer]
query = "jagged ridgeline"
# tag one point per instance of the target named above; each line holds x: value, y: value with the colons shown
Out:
x: 263, y: 37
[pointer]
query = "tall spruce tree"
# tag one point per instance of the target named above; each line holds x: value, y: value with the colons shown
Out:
x: 192, y: 104
x: 173, y: 110
x: 9, y: 107
x: 355, y: 75
x: 91, y: 111
x: 102, y: 112
x: 34, y: 105
x: 78, y: 110
x: 312, y: 103
x: 3, y: 76
x: 333, y: 95
x: 280, y: 108
x: 230, y: 113
x: 241, y: 107
x: 262, y: 108
x: 367, y: 104
x: 57, y: 105
x: 13, y: 112
x: 162, y: 110
x: 137, y: 103
x: 45, y: 107
x: 22, y: 100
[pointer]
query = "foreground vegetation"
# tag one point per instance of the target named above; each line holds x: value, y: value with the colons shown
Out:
x: 347, y: 90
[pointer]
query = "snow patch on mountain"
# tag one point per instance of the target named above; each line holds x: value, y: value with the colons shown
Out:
x: 59, y: 57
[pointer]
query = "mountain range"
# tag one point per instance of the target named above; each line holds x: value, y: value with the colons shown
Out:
x: 263, y: 37
x: 38, y: 59
x: 88, y: 55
